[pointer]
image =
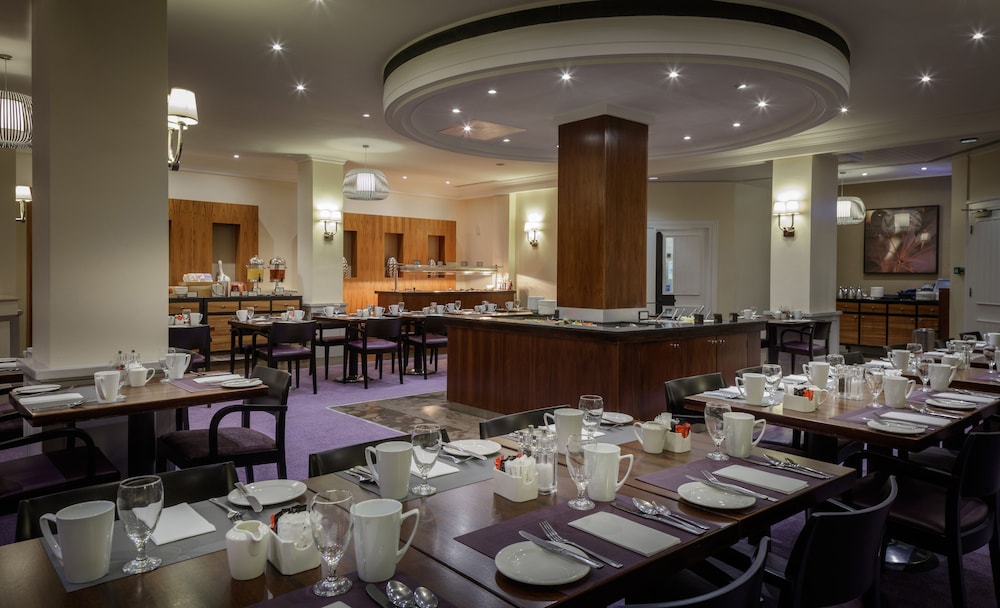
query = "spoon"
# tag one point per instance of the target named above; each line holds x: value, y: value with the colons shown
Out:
x: 425, y: 598
x: 399, y: 594
x: 663, y: 510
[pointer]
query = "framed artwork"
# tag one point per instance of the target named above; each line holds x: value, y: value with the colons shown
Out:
x: 901, y: 241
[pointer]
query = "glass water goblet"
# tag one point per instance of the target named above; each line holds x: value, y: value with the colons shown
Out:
x: 916, y: 349
x: 140, y: 502
x: 874, y: 379
x: 716, y: 429
x: 924, y: 371
x: 990, y: 352
x: 835, y: 360
x: 580, y: 469
x: 330, y: 522
x: 163, y: 363
x: 250, y: 310
x: 426, y: 439
x: 772, y: 380
x: 593, y: 412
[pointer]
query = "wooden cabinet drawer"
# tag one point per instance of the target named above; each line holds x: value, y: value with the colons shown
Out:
x: 928, y: 323
x: 872, y: 328
x: 901, y: 329
x: 849, y: 328
x: 928, y: 310
x: 175, y: 308
x: 870, y: 307
x: 223, y: 306
x: 281, y: 305
x: 902, y: 309
x: 847, y: 306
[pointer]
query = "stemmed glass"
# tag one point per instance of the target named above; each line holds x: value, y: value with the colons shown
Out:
x: 834, y: 360
x: 924, y: 371
x: 330, y: 522
x: 140, y: 502
x: 714, y: 423
x: 593, y: 412
x: 250, y: 313
x: 580, y: 469
x: 772, y: 379
x: 874, y: 379
x: 990, y: 352
x: 426, y: 439
x: 163, y: 363
x: 916, y: 349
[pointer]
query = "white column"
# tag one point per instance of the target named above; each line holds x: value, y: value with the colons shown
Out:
x: 320, y: 186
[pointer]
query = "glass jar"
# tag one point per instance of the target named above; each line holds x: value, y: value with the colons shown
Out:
x: 546, y: 460
x: 850, y: 381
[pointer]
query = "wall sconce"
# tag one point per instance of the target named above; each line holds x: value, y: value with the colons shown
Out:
x: 786, y: 212
x: 22, y: 194
x: 532, y: 229
x: 182, y: 112
x: 330, y: 215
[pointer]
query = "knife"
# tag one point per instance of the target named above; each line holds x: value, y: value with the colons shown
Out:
x: 251, y: 499
x: 550, y: 546
x: 376, y: 594
x: 728, y: 487
x: 464, y: 451
x: 663, y: 520
x: 796, y: 468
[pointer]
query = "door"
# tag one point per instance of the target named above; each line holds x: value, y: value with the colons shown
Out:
x: 982, y: 310
x: 683, y: 266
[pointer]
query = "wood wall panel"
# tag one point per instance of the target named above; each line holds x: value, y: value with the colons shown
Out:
x: 191, y: 235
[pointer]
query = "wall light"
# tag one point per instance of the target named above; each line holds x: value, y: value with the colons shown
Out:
x: 182, y: 112
x: 786, y: 212
x: 330, y: 215
x: 22, y: 194
x: 532, y: 229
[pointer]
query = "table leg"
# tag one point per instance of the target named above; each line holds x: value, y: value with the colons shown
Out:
x: 141, y: 444
x: 772, y: 343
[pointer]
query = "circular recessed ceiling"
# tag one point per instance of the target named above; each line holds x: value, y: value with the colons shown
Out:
x: 713, y: 77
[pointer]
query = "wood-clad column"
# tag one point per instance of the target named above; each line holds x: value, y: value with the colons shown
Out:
x: 602, y: 219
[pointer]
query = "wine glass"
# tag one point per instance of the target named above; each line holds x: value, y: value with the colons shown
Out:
x: 330, y: 522
x: 916, y: 349
x: 874, y: 379
x: 713, y: 421
x: 924, y: 371
x: 772, y: 379
x: 834, y: 360
x: 140, y: 502
x: 990, y: 352
x: 593, y: 412
x: 163, y: 363
x: 580, y: 469
x: 426, y: 439
x: 250, y: 310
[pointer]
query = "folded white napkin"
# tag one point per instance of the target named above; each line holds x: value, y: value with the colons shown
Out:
x: 961, y: 397
x: 729, y: 391
x: 552, y: 429
x: 879, y: 363
x: 634, y: 536
x: 917, y: 418
x: 51, y: 399
x: 437, y: 470
x: 180, y: 521
x: 764, y: 479
x: 795, y: 379
x: 216, y: 379
x: 8, y: 365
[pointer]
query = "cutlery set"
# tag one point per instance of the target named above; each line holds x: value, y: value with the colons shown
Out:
x: 676, y: 523
x: 399, y: 595
x: 789, y: 465
x: 715, y: 482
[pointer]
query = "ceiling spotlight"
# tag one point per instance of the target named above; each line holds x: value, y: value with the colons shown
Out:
x: 566, y: 76
x: 653, y: 178
x: 968, y: 140
x: 300, y: 87
x: 864, y: 174
x: 491, y: 92
x: 925, y: 78
x: 456, y: 110
x: 673, y: 74
x: 737, y: 124
x: 977, y: 36
x: 762, y: 104
x: 277, y: 47
x: 843, y: 109
x: 406, y: 177
x: 236, y: 155
x: 687, y: 138
x: 923, y: 168
x: 742, y: 86
x: 447, y: 182
x: 506, y: 140
x: 466, y: 128
x: 366, y: 115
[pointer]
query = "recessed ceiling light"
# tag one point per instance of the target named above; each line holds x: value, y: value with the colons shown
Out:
x: 236, y: 155
x: 864, y: 174
x: 506, y: 140
x: 653, y: 178
x: 466, y: 128
x: 566, y: 76
x: 977, y: 36
x: 925, y: 78
x: 762, y: 104
x: 492, y: 92
x: 673, y: 74
x: 276, y: 46
x: 456, y: 110
x: 366, y: 115
x: 405, y: 177
x: 300, y: 87
x: 737, y: 124
x: 742, y: 86
x: 843, y: 109
x: 923, y: 168
x: 968, y: 140
x: 687, y: 138
x: 447, y: 182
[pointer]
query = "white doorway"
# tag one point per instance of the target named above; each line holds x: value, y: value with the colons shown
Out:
x: 687, y: 260
x: 982, y: 254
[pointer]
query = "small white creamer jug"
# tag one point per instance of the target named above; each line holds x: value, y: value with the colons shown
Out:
x: 246, y: 548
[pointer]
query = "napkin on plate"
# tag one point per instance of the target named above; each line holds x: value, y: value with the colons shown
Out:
x: 625, y: 533
x: 764, y: 479
x: 729, y: 391
x: 917, y: 418
x: 178, y: 522
x: 217, y: 379
x: 963, y: 397
x: 437, y: 470
x: 51, y: 399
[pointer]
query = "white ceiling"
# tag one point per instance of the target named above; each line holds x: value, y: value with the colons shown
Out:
x: 248, y: 105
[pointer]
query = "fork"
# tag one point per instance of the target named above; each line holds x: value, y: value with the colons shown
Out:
x: 456, y: 459
x: 555, y: 537
x: 231, y: 513
x: 712, y: 479
x: 664, y: 511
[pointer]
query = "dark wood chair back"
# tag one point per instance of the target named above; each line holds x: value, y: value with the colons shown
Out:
x: 502, y: 425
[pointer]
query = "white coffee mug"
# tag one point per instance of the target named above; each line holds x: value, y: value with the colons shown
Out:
x: 940, y: 375
x: 298, y: 315
x: 391, y: 468
x: 439, y: 309
x: 817, y: 371
x: 509, y: 305
x: 954, y: 361
x: 739, y: 427
x: 329, y: 311
x: 377, y: 312
x: 896, y: 389
x: 993, y: 338
x: 195, y: 318
x: 900, y: 358
x: 394, y: 309
x: 84, y: 545
x: 177, y: 364
x: 451, y: 306
x: 568, y: 421
x: 107, y: 384
x: 751, y: 386
x: 139, y: 376
x: 246, y: 549
x: 377, y: 524
x: 242, y: 315
x: 650, y: 435
x: 604, y: 460
x: 491, y: 307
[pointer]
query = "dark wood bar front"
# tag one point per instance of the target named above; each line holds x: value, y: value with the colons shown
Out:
x: 416, y: 300
x: 511, y: 365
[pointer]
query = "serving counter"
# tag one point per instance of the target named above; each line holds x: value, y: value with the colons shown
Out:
x: 416, y: 300
x: 509, y: 365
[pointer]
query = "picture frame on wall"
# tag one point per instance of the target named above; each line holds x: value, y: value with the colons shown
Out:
x: 901, y: 240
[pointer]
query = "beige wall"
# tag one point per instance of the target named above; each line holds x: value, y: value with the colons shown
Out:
x: 535, y: 266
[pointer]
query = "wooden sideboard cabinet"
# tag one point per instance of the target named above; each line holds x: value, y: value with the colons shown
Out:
x: 884, y: 322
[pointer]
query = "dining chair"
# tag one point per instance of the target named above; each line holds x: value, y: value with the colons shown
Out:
x: 197, y: 340
x: 970, y: 335
x: 741, y: 592
x: 678, y: 389
x: 183, y: 485
x: 328, y: 335
x: 805, y: 340
x: 377, y: 337
x: 243, y: 445
x: 502, y: 425
x: 56, y: 470
x: 853, y: 357
x: 289, y: 342
x: 949, y: 511
x: 431, y: 337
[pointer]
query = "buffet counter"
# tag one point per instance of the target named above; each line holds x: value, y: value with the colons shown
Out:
x: 416, y: 300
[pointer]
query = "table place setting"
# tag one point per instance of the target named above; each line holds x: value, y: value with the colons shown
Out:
x: 51, y: 401
x: 763, y: 479
x: 787, y: 465
x: 403, y: 588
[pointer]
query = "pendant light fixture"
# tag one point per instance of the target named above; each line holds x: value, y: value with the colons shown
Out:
x: 365, y: 184
x: 850, y: 209
x: 15, y: 115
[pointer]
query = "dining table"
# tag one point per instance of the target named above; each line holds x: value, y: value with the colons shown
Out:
x: 139, y: 405
x: 464, y: 541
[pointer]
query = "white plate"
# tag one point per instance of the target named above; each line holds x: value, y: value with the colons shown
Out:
x: 241, y: 383
x: 704, y: 495
x: 617, y: 418
x: 528, y: 563
x: 952, y: 405
x: 899, y: 428
x: 483, y: 447
x: 36, y: 389
x: 270, y: 492
x: 8, y: 359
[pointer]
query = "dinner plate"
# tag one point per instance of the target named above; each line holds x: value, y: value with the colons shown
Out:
x: 270, y: 492
x: 8, y: 359
x: 952, y: 405
x: 617, y: 418
x: 241, y: 383
x: 36, y: 389
x: 705, y: 495
x: 483, y: 447
x: 528, y: 563
x: 899, y: 428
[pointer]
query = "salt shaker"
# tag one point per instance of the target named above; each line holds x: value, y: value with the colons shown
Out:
x: 546, y: 461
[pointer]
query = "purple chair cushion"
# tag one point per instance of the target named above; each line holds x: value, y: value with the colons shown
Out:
x: 374, y: 345
x: 193, y: 445
x: 432, y: 340
x: 52, y: 472
x: 285, y: 351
